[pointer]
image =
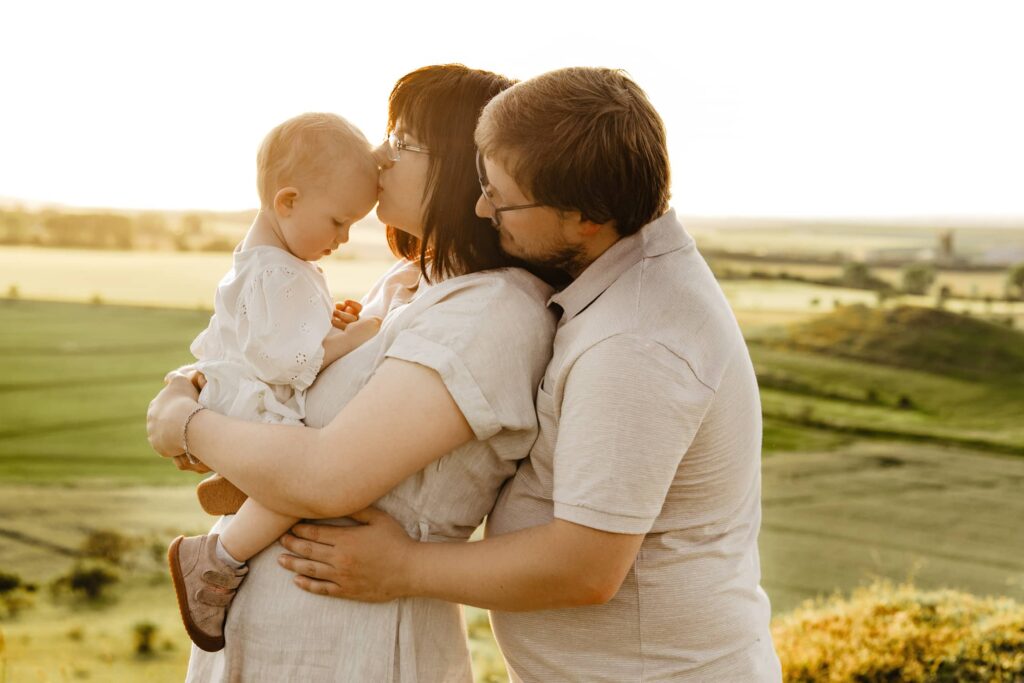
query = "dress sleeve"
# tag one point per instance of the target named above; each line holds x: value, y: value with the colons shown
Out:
x: 283, y: 317
x: 629, y: 412
x: 490, y: 341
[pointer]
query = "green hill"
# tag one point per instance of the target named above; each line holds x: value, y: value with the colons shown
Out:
x: 925, y: 339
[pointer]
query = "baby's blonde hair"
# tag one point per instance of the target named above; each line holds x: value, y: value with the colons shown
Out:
x: 307, y: 148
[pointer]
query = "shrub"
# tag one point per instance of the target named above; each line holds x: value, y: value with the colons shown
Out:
x: 145, y: 634
x: 89, y: 579
x: 109, y: 546
x: 15, y: 595
x: 889, y: 633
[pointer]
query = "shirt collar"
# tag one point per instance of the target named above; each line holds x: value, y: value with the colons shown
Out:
x: 660, y: 236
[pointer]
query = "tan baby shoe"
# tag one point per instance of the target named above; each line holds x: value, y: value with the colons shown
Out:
x: 218, y: 496
x: 204, y: 586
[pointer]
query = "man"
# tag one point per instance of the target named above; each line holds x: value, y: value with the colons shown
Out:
x: 625, y: 548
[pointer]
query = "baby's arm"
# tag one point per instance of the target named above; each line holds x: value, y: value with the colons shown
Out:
x: 339, y: 342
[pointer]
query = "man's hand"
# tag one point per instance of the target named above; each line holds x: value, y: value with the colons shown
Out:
x: 365, y: 563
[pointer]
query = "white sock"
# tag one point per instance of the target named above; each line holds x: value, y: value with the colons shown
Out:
x: 224, y: 556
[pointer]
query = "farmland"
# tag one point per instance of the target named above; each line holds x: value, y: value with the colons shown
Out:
x: 870, y: 468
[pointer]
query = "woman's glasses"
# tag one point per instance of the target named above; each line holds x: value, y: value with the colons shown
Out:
x: 393, y: 146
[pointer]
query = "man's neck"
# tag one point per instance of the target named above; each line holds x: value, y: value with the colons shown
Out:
x: 593, y: 249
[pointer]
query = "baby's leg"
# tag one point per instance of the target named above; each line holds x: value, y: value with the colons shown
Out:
x: 253, y: 529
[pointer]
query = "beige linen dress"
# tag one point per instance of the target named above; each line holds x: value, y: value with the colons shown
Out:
x: 489, y: 337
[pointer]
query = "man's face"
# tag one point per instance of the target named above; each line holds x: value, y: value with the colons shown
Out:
x: 540, y: 235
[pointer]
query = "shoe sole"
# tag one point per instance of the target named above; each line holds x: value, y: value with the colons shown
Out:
x: 204, y: 641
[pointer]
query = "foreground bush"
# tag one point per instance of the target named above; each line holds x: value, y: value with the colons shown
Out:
x: 899, y: 633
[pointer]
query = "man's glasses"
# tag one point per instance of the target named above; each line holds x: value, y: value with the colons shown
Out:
x: 496, y: 210
x: 393, y: 146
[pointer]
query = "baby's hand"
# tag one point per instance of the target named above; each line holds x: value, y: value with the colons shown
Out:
x: 345, y: 313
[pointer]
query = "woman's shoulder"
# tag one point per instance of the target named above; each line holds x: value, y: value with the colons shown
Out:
x: 514, y: 286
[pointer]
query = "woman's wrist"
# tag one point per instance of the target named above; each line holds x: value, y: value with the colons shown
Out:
x: 184, y: 433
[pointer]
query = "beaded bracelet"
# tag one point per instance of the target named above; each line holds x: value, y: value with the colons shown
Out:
x: 184, y: 436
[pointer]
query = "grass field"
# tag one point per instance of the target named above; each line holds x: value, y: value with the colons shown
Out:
x: 160, y: 278
x: 839, y: 508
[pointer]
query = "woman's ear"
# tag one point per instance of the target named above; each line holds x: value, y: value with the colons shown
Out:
x: 284, y: 201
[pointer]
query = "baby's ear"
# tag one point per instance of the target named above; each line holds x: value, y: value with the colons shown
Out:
x: 284, y: 200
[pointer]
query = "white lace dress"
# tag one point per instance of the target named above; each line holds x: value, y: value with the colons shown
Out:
x: 264, y: 344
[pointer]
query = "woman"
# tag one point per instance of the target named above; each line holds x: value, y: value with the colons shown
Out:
x: 425, y: 421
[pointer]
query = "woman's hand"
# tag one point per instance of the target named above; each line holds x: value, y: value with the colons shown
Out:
x: 363, y: 563
x: 165, y: 419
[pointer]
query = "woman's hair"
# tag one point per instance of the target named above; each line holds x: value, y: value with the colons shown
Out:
x: 582, y: 139
x: 305, y: 149
x: 440, y: 106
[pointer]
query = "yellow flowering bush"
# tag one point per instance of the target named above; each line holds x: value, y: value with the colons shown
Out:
x: 884, y: 632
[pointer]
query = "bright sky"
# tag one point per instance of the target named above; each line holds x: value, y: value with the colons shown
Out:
x: 772, y: 108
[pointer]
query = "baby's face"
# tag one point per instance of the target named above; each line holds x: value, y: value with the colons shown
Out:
x: 323, y: 213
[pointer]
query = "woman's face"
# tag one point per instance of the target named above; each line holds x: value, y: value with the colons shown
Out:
x: 403, y: 184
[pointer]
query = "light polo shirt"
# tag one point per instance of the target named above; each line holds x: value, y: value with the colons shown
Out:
x: 650, y: 423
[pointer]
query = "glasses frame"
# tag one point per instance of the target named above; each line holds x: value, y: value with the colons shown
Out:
x: 498, y: 210
x: 393, y: 145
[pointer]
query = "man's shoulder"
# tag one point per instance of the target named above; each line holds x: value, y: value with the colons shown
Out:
x: 670, y: 302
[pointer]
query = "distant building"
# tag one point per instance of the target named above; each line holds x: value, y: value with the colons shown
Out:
x: 946, y: 252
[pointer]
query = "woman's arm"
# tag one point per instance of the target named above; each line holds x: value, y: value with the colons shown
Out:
x: 401, y: 421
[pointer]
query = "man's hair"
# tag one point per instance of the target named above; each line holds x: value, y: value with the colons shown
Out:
x: 306, y: 149
x: 582, y: 139
x: 439, y: 105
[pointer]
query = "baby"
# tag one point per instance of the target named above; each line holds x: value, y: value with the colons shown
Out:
x: 274, y: 327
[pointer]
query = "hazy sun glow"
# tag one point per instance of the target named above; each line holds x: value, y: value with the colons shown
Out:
x: 784, y: 108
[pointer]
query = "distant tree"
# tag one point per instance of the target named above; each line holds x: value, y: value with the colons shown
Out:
x: 107, y: 545
x: 856, y: 274
x: 945, y: 293
x: 918, y: 278
x: 15, y: 227
x: 1015, y: 280
x: 151, y: 224
x: 192, y: 224
x: 96, y: 231
x: 883, y: 295
x: 89, y: 578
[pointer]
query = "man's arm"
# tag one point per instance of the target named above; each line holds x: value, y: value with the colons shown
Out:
x: 559, y: 564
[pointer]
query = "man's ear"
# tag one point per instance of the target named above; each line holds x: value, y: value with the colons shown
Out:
x: 284, y: 201
x: 589, y: 228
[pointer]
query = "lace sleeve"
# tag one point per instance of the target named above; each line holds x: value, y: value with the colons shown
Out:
x: 283, y: 319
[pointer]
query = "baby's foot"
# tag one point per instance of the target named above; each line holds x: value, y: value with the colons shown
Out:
x: 204, y: 586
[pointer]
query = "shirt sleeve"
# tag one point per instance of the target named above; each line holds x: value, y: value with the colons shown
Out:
x: 490, y: 341
x: 629, y: 412
x: 283, y: 318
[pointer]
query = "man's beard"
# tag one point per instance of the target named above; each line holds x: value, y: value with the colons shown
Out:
x: 566, y: 258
